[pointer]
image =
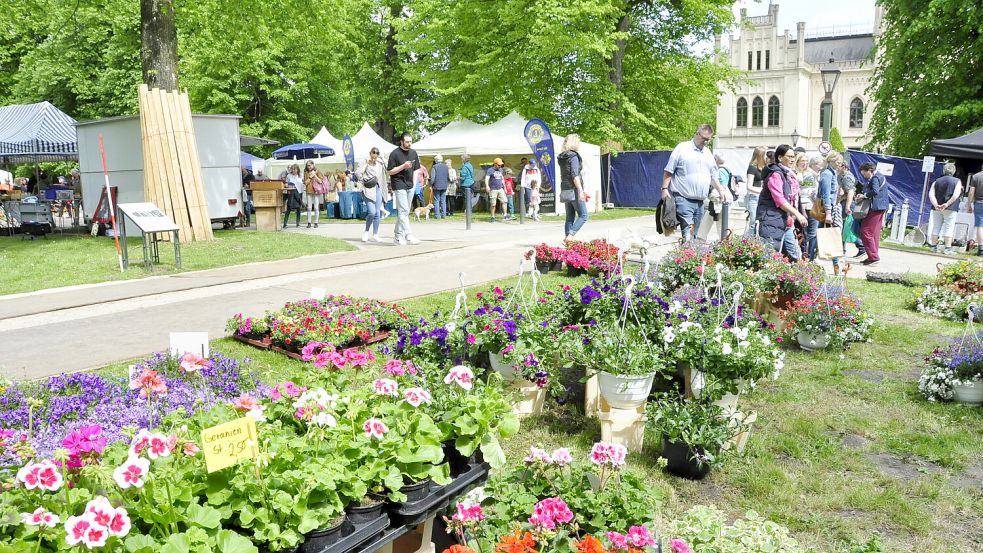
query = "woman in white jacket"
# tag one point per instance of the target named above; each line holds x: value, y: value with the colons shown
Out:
x: 375, y: 189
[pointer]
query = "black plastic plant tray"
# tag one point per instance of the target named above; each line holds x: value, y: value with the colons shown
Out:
x: 387, y: 536
x: 418, y: 511
x: 360, y: 533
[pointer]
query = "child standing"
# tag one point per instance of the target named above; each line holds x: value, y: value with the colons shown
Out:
x: 509, y: 192
x: 534, y: 199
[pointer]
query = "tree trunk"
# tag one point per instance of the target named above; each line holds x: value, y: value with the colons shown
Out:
x: 615, y: 73
x: 391, y: 78
x: 158, y: 44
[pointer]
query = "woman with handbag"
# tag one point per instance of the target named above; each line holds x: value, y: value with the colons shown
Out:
x: 292, y: 196
x: 375, y: 189
x: 572, y: 186
x: 870, y: 209
x: 314, y: 189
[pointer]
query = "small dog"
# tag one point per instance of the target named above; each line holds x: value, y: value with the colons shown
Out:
x: 425, y: 211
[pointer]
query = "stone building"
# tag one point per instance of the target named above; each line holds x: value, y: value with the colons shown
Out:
x: 782, y: 92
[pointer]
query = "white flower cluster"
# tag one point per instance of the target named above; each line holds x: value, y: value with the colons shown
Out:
x: 936, y: 382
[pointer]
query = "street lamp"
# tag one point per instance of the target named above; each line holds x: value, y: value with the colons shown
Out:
x: 830, y: 74
x: 795, y: 137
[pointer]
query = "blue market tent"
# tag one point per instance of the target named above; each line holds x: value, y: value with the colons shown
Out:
x: 246, y: 160
x: 34, y: 133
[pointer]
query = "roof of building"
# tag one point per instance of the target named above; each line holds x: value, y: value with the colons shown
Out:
x: 840, y: 48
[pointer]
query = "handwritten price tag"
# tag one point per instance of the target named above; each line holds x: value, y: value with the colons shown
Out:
x: 228, y: 442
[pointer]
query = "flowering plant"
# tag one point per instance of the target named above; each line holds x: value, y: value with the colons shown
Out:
x: 840, y: 319
x: 607, y: 349
x: 945, y: 302
x: 250, y: 327
x: 935, y: 381
x: 967, y: 364
x: 339, y: 320
x: 544, y: 253
x: 787, y: 282
x: 429, y: 341
x: 703, y: 528
x: 700, y: 424
x: 684, y: 264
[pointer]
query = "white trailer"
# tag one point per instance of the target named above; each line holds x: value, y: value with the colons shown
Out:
x: 217, y: 137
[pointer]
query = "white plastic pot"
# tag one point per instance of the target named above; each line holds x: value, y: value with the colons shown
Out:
x: 971, y: 394
x: 812, y: 341
x: 625, y: 392
x: 499, y: 365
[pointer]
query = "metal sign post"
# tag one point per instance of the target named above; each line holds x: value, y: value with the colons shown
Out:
x: 928, y: 166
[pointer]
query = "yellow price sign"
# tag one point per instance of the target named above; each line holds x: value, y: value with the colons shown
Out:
x: 226, y: 443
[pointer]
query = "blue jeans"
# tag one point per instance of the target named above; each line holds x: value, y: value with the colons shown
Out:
x: 812, y: 243
x: 689, y: 213
x: 790, y: 246
x: 856, y: 231
x: 511, y: 212
x: 373, y: 210
x: 752, y: 211
x: 576, y: 217
x: 440, y: 203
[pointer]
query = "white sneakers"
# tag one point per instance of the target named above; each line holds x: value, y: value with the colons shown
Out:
x: 375, y: 238
x: 412, y: 239
x: 400, y: 241
x: 365, y: 236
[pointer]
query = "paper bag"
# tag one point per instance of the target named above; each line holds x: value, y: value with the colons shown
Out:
x: 830, y: 241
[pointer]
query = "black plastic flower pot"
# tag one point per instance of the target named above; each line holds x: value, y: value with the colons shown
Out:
x: 458, y: 463
x: 543, y: 266
x: 574, y: 271
x: 366, y: 511
x: 319, y: 540
x: 556, y: 265
x: 680, y: 462
x: 416, y: 492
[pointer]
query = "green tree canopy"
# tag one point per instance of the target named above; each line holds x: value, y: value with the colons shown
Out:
x: 928, y: 84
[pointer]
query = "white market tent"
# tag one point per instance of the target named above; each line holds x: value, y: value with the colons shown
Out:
x: 506, y: 139
x: 365, y: 139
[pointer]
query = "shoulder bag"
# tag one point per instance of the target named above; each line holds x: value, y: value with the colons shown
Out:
x: 369, y: 180
x: 861, y: 209
x: 568, y: 195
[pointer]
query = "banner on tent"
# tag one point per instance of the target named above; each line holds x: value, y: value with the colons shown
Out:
x: 349, y: 149
x: 541, y: 142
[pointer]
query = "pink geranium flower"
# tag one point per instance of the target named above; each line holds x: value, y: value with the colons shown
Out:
x: 550, y: 512
x: 679, y: 546
x: 43, y: 475
x: 130, y: 474
x: 375, y: 428
x: 150, y: 384
x: 246, y: 402
x: 468, y: 513
x: 561, y: 456
x: 40, y: 517
x: 604, y: 453
x: 417, y: 396
x: 639, y: 536
x: 386, y: 387
x: 460, y: 375
x: 618, y: 540
x: 77, y: 527
x: 192, y: 362
x: 191, y: 449
x: 158, y: 445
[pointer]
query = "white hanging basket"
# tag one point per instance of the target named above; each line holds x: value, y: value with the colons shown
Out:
x: 499, y: 365
x: 625, y: 392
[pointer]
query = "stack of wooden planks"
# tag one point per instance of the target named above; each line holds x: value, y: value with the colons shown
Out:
x: 171, y: 168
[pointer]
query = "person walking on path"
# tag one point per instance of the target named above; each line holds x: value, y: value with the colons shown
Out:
x: 688, y: 176
x: 294, y: 201
x: 314, y: 189
x: 754, y: 185
x: 530, y: 174
x: 944, y: 194
x: 495, y: 183
x: 976, y: 208
x: 777, y: 206
x: 451, y: 186
x: 439, y: 181
x: 572, y: 186
x: 875, y: 190
x: 467, y: 179
x: 534, y: 200
x: 375, y: 190
x: 403, y: 161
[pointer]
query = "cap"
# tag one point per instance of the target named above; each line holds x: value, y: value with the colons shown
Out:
x: 498, y: 161
x: 532, y: 161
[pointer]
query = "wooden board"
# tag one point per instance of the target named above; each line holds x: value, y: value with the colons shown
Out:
x: 172, y: 168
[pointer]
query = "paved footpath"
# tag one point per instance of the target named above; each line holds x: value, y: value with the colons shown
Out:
x: 83, y: 327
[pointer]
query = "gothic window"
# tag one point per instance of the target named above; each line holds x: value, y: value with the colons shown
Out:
x: 759, y: 60
x: 757, y: 112
x: 856, y: 113
x: 741, y: 112
x: 774, y: 109
x: 750, y: 58
x: 767, y: 59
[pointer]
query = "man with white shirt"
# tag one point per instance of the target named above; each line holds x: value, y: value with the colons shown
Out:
x: 688, y: 177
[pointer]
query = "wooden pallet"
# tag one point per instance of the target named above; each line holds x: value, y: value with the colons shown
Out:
x: 172, y: 177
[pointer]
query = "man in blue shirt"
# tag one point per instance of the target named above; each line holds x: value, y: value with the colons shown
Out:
x: 689, y: 174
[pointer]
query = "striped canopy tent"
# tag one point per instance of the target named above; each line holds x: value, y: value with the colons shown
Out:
x: 34, y: 133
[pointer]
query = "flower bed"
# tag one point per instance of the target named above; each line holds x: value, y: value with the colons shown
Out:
x: 957, y: 285
x: 597, y: 256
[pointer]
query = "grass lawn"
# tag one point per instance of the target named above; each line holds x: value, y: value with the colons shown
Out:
x: 58, y: 260
x: 844, y: 445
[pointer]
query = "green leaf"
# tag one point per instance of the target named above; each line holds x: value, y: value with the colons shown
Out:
x: 140, y: 543
x: 177, y: 543
x: 492, y: 450
x: 204, y: 516
x: 228, y: 541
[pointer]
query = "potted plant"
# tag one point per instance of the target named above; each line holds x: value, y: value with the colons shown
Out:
x: 547, y: 257
x: 694, y: 434
x: 821, y: 320
x: 626, y: 364
x: 252, y: 331
x: 577, y: 263
x: 967, y: 369
x: 935, y: 381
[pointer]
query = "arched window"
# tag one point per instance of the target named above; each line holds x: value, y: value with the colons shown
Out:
x: 774, y: 108
x: 741, y: 112
x: 856, y: 113
x: 757, y: 112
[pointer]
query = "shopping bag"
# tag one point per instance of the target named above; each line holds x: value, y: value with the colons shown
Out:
x: 830, y: 240
x: 709, y: 229
x: 848, y: 235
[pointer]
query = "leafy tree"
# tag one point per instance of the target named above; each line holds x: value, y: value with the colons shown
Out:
x: 927, y: 84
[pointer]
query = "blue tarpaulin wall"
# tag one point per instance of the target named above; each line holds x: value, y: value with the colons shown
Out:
x: 636, y: 178
x: 905, y: 182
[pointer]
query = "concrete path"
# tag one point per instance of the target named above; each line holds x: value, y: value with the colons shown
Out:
x: 83, y: 327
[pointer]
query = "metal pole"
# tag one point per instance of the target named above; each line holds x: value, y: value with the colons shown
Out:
x: 921, y: 205
x: 827, y: 116
x: 467, y: 207
x: 724, y: 219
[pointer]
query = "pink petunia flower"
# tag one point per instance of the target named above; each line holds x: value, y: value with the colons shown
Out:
x: 191, y: 449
